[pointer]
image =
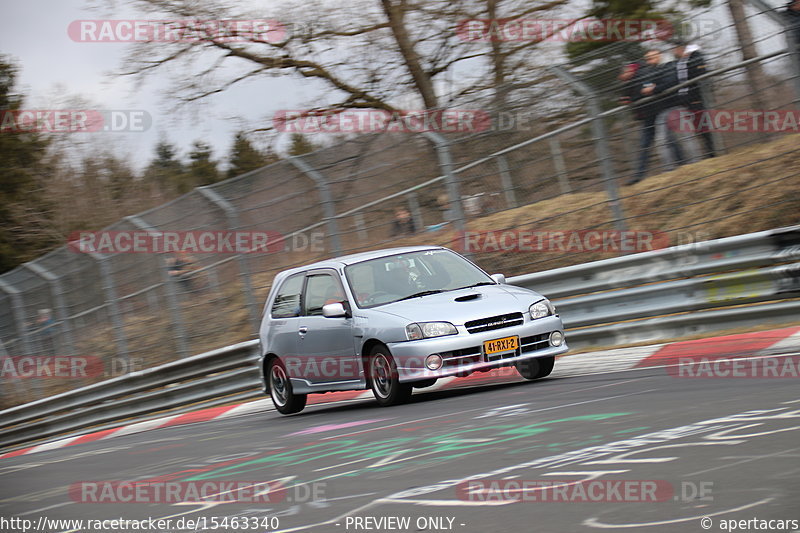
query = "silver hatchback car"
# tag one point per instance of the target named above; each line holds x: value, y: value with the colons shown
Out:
x: 392, y: 320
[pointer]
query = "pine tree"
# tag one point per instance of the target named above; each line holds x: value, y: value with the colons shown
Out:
x: 202, y: 170
x: 246, y: 157
x: 301, y: 145
x: 166, y: 171
x: 24, y: 227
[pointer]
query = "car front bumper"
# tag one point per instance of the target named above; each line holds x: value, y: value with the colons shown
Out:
x: 463, y: 353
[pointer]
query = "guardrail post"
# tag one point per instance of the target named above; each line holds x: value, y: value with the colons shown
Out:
x: 169, y: 288
x: 57, y: 294
x: 451, y: 182
x: 327, y: 200
x: 507, y: 182
x: 792, y: 46
x: 19, y: 317
x: 112, y: 305
x: 600, y: 142
x: 244, y: 269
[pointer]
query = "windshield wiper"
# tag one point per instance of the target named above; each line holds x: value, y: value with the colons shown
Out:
x: 477, y: 285
x: 418, y: 294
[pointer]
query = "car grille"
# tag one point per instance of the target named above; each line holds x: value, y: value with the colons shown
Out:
x: 494, y: 322
x: 535, y: 342
x: 464, y: 356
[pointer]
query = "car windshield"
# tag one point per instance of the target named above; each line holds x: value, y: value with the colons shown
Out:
x: 416, y: 274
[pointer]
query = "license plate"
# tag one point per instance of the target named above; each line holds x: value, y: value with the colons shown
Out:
x: 506, y: 344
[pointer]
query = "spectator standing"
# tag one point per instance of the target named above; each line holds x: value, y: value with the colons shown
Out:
x: 689, y: 65
x: 403, y: 223
x: 179, y: 267
x: 651, y: 80
x: 44, y: 330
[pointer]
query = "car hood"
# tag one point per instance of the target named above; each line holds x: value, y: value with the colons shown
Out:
x: 462, y: 305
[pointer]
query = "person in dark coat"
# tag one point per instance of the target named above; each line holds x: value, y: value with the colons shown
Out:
x: 651, y: 80
x: 403, y: 223
x: 689, y: 65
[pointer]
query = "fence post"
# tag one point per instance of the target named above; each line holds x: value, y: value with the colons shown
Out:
x: 112, y: 306
x: 792, y: 46
x: 20, y: 389
x: 361, y: 228
x: 600, y: 142
x: 57, y: 294
x: 416, y: 212
x: 507, y: 182
x: 326, y: 198
x: 244, y: 269
x: 19, y: 317
x: 451, y: 182
x: 561, y: 166
x: 169, y: 289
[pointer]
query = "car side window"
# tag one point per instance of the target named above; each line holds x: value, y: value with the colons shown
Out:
x: 287, y: 301
x: 322, y: 289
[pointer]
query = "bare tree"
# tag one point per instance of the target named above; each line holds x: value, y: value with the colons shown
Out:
x: 362, y: 54
x: 755, y: 74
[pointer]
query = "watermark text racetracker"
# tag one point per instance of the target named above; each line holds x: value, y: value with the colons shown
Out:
x: 773, y: 367
x: 206, y: 491
x: 379, y: 120
x: 580, y: 30
x: 67, y: 366
x: 561, y: 241
x: 176, y: 31
x: 582, y: 491
x: 75, y: 120
x: 734, y: 120
x: 216, y: 242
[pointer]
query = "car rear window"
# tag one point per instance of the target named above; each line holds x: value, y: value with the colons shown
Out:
x: 287, y: 301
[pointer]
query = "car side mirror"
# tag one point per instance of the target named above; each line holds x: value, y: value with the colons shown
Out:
x: 499, y: 278
x: 334, y: 310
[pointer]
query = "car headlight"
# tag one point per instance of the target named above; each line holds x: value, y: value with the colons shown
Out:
x: 541, y: 309
x: 424, y: 330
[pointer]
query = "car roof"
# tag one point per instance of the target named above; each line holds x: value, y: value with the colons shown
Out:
x: 358, y: 258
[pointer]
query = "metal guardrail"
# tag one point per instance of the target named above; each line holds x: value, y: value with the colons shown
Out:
x: 732, y: 282
x: 709, y: 257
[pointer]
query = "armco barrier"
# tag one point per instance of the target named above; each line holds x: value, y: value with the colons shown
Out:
x: 721, y: 284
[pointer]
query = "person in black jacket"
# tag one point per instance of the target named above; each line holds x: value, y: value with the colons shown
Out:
x: 689, y: 65
x: 651, y: 80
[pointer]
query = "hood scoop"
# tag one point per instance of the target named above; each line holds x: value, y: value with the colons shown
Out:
x: 468, y: 297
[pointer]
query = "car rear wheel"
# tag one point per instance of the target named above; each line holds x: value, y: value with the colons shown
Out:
x: 280, y: 389
x: 537, y: 368
x: 384, y: 380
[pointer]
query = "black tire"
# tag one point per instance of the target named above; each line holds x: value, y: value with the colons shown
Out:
x: 424, y: 383
x: 280, y: 389
x: 383, y: 378
x: 537, y: 368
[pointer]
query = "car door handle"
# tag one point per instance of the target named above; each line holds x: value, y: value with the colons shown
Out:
x: 303, y: 330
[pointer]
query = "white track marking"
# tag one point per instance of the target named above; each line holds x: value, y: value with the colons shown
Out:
x: 593, y: 522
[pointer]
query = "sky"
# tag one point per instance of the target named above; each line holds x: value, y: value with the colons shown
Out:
x: 55, y: 68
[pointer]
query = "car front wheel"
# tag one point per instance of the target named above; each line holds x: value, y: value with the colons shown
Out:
x: 280, y: 390
x: 384, y: 380
x: 539, y: 367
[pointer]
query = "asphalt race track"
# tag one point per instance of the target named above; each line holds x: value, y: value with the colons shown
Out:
x: 724, y: 449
